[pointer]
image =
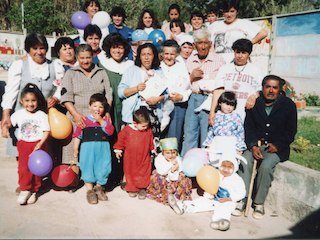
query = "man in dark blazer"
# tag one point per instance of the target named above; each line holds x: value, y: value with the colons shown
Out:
x: 270, y: 127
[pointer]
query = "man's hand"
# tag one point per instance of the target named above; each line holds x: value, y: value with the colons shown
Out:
x: 251, y: 101
x: 196, y: 74
x: 272, y: 148
x: 256, y: 152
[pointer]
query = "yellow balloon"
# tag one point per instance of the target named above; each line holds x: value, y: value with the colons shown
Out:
x: 60, y: 124
x: 208, y: 179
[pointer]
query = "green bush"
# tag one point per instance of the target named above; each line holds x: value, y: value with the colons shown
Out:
x: 312, y: 99
x: 305, y: 150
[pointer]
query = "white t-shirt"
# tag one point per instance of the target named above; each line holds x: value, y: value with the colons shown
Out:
x: 244, y: 81
x: 177, y: 79
x: 30, y: 125
x: 224, y: 35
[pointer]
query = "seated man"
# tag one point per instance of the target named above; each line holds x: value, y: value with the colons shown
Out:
x: 273, y: 123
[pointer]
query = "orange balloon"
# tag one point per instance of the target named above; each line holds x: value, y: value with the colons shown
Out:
x: 60, y: 124
x: 208, y: 179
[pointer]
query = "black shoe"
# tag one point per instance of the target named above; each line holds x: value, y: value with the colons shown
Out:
x: 241, y: 206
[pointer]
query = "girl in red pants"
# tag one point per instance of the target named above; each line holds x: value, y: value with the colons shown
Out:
x: 33, y: 131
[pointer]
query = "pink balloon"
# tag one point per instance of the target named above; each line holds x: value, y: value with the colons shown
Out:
x: 80, y: 19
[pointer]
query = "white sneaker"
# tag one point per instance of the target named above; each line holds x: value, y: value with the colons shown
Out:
x: 23, y: 197
x: 173, y: 204
x: 33, y: 198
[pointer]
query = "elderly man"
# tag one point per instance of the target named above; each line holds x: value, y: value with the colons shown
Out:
x: 270, y: 128
x: 203, y: 66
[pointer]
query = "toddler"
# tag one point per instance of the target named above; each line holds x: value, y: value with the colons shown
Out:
x: 135, y: 143
x: 95, y: 153
x: 167, y: 180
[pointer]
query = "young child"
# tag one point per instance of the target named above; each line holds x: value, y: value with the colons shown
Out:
x: 231, y: 189
x: 33, y: 131
x: 177, y: 29
x: 211, y: 16
x: 135, y: 143
x: 227, y: 122
x: 95, y: 153
x: 168, y: 178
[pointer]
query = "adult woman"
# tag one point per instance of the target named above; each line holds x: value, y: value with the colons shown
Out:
x: 35, y: 69
x: 186, y: 47
x: 241, y: 77
x: 115, y: 63
x: 178, y: 88
x: 134, y: 80
x: 173, y: 13
x: 78, y: 84
x: 196, y: 21
x: 91, y: 7
x: 225, y: 33
x: 64, y: 48
x: 148, y: 21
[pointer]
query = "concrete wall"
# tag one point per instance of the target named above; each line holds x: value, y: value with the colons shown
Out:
x: 295, y: 193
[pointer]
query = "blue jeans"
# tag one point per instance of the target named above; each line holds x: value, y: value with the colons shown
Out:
x: 175, y: 128
x: 195, y: 124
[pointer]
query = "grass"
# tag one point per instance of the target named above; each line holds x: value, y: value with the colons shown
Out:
x: 305, y: 150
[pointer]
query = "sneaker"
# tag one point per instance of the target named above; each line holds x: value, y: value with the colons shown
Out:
x: 214, y: 225
x: 132, y: 194
x: 100, y: 193
x: 33, y: 198
x: 18, y: 191
x: 122, y: 185
x: 92, y: 197
x: 23, y: 197
x: 258, y: 211
x: 173, y: 204
x: 222, y: 225
x: 142, y: 194
x: 241, y: 206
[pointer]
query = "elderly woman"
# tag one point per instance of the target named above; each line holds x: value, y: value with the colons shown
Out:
x: 116, y: 63
x: 37, y: 69
x: 78, y: 84
x: 178, y: 87
x: 133, y: 82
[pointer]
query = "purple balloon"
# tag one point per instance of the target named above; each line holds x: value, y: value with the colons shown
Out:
x: 40, y: 163
x: 80, y: 19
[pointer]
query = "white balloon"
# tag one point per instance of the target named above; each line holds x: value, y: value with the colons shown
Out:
x: 101, y: 19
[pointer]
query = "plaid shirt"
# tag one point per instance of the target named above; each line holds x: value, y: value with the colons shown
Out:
x: 210, y: 67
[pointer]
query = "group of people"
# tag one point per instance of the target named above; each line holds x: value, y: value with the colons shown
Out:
x: 135, y: 114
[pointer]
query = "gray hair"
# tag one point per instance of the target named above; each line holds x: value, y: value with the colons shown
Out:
x: 83, y: 48
x: 200, y: 34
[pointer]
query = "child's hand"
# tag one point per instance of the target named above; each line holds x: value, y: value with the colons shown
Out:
x: 222, y: 200
x: 97, y: 117
x: 175, y: 165
x: 37, y: 147
x: 118, y: 155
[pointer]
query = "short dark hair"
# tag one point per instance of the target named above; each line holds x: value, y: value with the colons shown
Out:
x: 91, y: 29
x: 197, y: 14
x: 227, y: 97
x: 118, y: 11
x: 113, y: 40
x: 87, y: 4
x: 32, y: 88
x: 141, y: 115
x: 174, y: 6
x: 226, y: 5
x: 281, y: 81
x: 155, y: 62
x: 178, y: 23
x: 99, y: 97
x: 155, y: 22
x: 242, y: 45
x: 62, y: 41
x: 214, y: 10
x: 34, y: 39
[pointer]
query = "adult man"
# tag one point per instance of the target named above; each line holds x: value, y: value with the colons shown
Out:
x: 203, y: 67
x: 273, y: 123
